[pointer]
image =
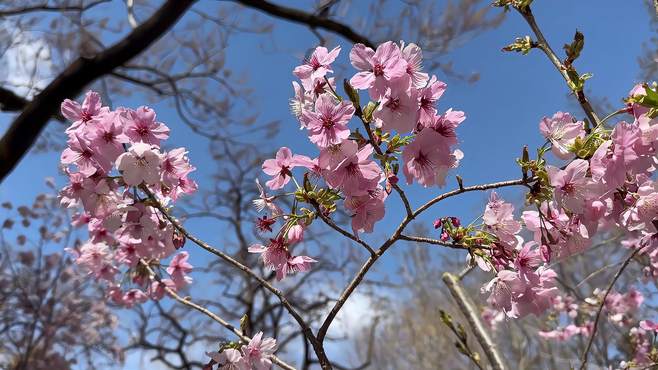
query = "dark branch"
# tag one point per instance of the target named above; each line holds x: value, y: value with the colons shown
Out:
x: 312, y: 20
x: 26, y: 127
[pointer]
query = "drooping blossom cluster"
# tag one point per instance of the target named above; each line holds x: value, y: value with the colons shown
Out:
x: 252, y: 356
x: 352, y: 163
x: 117, y: 169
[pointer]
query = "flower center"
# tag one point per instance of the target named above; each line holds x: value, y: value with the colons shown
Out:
x: 393, y: 104
x: 378, y: 69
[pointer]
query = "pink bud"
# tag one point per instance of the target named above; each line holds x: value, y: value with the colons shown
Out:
x: 438, y: 222
x: 444, y: 236
x: 295, y: 234
x: 455, y: 221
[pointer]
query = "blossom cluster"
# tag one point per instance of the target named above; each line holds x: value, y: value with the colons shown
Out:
x: 350, y: 165
x: 251, y: 356
x: 117, y: 172
x: 605, y: 185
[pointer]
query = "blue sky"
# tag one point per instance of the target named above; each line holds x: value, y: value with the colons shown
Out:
x: 503, y: 108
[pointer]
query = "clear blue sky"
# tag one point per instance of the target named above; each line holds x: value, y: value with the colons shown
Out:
x: 503, y: 108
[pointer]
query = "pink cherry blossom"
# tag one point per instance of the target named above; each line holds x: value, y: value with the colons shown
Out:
x: 256, y: 353
x: 413, y: 55
x: 317, y: 66
x: 428, y: 96
x: 368, y: 209
x: 140, y: 125
x: 327, y: 125
x: 107, y: 137
x: 141, y: 163
x: 357, y: 174
x: 562, y: 130
x: 499, y: 220
x: 571, y: 185
x: 277, y: 257
x: 377, y: 67
x: 80, y: 153
x: 398, y: 108
x: 90, y: 110
x: 280, y: 167
x: 428, y: 159
x: 179, y: 268
x: 229, y: 359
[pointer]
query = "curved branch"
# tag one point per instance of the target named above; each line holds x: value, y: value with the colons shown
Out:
x: 308, y: 333
x: 26, y: 127
x: 311, y: 20
x: 213, y: 316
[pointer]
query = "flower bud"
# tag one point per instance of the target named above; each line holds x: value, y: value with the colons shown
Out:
x: 295, y: 234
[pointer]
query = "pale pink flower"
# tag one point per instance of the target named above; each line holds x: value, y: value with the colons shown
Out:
x: 428, y: 96
x: 140, y: 125
x: 80, y: 153
x: 256, y: 353
x: 357, y: 173
x: 229, y: 359
x: 377, y: 67
x: 317, y: 66
x: 141, y: 163
x: 446, y: 124
x: 649, y: 325
x: 134, y: 296
x: 90, y: 110
x: 561, y: 130
x: 368, y: 209
x: 571, y: 185
x: 413, y: 55
x: 616, y: 157
x: 179, y: 268
x: 499, y: 220
x: 265, y: 201
x: 299, y: 103
x: 107, y: 137
x: 175, y: 165
x: 327, y: 125
x: 398, y: 108
x: 280, y: 167
x: 277, y: 257
x: 428, y: 159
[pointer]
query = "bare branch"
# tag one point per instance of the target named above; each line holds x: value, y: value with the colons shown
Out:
x: 473, y: 318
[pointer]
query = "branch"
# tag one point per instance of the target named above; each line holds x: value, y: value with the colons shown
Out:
x: 465, y: 189
x: 26, y: 127
x: 308, y: 333
x: 224, y: 323
x: 311, y: 20
x: 48, y: 8
x: 473, y: 319
x: 420, y: 239
x: 340, y: 230
x: 544, y: 46
x: 583, y: 363
x: 397, y: 235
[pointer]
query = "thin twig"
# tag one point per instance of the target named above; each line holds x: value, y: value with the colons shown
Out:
x: 340, y: 230
x: 544, y: 46
x: 583, y: 363
x: 306, y: 329
x: 213, y: 316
